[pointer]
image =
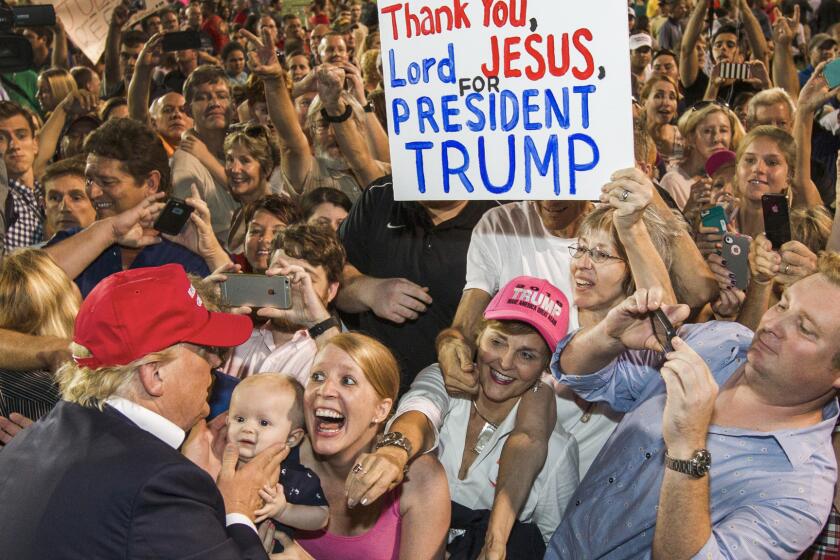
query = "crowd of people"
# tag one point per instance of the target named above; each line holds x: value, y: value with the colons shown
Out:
x: 652, y: 374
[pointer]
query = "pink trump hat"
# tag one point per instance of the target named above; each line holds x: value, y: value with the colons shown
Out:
x: 533, y: 301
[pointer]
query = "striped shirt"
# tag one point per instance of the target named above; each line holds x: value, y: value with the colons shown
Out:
x: 31, y: 393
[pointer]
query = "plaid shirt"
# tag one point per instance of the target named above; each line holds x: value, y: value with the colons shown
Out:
x: 827, y: 545
x: 28, y: 227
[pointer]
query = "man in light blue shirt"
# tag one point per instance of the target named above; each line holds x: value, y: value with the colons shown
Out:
x: 762, y: 406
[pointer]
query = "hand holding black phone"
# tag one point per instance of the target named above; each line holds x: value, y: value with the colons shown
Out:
x: 776, y: 219
x: 173, y: 217
x: 663, y: 329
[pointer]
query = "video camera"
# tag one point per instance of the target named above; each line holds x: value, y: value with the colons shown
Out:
x: 15, y: 50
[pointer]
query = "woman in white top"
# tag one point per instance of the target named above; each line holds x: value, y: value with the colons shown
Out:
x: 706, y: 128
x: 521, y: 325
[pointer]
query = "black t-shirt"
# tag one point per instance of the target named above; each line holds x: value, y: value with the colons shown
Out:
x: 388, y: 239
x: 727, y: 94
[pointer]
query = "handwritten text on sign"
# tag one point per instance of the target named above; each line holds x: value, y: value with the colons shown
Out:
x: 86, y: 21
x: 506, y: 99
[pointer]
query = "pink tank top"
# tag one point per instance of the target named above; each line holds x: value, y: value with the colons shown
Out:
x: 381, y: 542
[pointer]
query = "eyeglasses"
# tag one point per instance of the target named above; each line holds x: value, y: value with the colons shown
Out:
x: 596, y: 255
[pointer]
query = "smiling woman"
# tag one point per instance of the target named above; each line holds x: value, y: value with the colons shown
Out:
x: 251, y: 155
x: 706, y: 128
x: 350, y: 395
x: 525, y: 319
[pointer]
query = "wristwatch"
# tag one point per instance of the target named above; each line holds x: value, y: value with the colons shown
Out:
x: 698, y: 466
x: 395, y: 439
x: 317, y: 330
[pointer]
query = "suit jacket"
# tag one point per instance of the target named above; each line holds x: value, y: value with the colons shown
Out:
x: 89, y: 484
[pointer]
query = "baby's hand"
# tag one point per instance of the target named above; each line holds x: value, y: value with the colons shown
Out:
x: 275, y: 502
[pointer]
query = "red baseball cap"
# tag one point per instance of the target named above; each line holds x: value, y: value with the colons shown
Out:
x: 144, y: 310
x: 534, y: 301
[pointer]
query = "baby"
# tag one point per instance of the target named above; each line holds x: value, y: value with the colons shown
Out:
x: 265, y: 409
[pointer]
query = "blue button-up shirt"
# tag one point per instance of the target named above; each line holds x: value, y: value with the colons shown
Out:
x: 110, y: 261
x: 770, y: 492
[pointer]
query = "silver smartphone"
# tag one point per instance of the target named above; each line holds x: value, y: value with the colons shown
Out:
x: 257, y: 290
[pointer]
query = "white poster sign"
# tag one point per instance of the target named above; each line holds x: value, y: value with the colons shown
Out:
x: 506, y: 99
x: 86, y: 21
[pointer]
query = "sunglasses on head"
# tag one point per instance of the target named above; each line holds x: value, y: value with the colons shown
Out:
x: 706, y: 102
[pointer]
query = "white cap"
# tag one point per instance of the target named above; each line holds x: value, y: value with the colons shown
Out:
x: 640, y: 40
x: 631, y: 12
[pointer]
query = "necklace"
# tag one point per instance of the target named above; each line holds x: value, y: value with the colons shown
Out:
x: 486, y: 433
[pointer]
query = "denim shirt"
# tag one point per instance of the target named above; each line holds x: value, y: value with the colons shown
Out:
x: 770, y: 492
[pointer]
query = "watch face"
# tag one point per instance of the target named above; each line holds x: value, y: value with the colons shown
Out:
x: 702, y: 461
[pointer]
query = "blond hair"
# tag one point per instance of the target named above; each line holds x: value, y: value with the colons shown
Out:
x: 36, y: 297
x: 692, y: 118
x: 374, y: 359
x: 91, y: 387
x: 766, y: 98
x: 61, y: 83
x: 811, y: 227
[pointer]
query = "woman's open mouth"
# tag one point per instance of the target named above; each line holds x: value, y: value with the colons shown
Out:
x: 328, y: 421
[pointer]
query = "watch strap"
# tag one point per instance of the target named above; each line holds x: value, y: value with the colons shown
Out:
x: 317, y: 330
x: 698, y: 466
x: 348, y: 112
x: 395, y: 439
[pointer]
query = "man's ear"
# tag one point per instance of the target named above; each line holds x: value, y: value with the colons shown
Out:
x: 332, y: 291
x: 153, y: 181
x: 150, y: 379
x: 380, y: 412
x: 295, y: 437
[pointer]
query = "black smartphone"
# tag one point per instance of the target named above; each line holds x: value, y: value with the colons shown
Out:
x: 257, y: 290
x: 776, y: 219
x: 173, y: 217
x: 663, y: 329
x: 181, y: 41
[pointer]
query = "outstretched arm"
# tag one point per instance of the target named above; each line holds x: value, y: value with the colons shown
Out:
x: 79, y: 102
x: 75, y: 253
x: 813, y: 96
x: 689, y: 66
x: 295, y: 162
x: 141, y: 80
x: 113, y: 75
x: 59, y: 53
x: 353, y: 145
x: 25, y: 351
x: 522, y: 459
x: 784, y: 69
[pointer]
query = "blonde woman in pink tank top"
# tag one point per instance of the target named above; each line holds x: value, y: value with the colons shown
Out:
x: 350, y: 395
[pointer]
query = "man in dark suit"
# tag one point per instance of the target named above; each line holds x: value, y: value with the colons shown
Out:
x: 101, y: 476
